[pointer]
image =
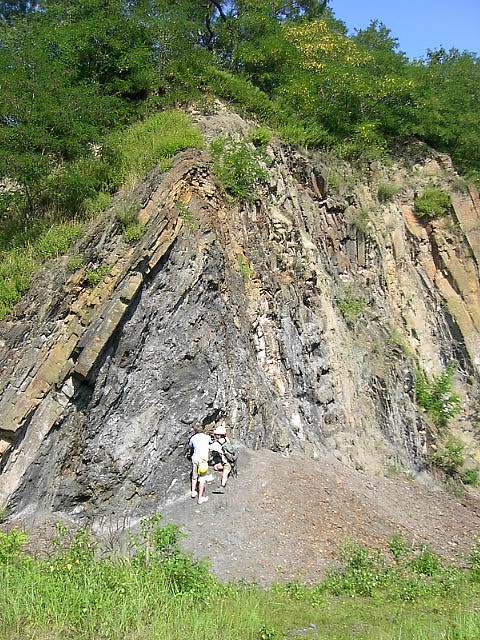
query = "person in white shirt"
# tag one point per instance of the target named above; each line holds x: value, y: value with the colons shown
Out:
x: 200, y: 447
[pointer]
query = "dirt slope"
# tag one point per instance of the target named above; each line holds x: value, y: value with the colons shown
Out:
x: 284, y: 518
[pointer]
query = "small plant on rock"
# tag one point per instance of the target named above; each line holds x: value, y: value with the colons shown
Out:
x: 75, y: 262
x: 471, y: 477
x: 245, y: 267
x: 351, y: 305
x: 437, y: 396
x: 127, y: 215
x: 260, y: 136
x: 362, y: 219
x: 387, y: 191
x: 186, y: 216
x: 237, y: 167
x: 433, y: 202
x: 93, y: 277
x: 449, y: 458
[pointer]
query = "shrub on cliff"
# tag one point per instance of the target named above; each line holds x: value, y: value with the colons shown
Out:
x: 237, y: 166
x: 437, y: 396
x: 432, y: 202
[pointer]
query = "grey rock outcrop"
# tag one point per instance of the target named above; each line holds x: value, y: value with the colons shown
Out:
x: 227, y: 310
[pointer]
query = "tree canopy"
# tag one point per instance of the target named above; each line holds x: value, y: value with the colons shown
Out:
x: 71, y: 72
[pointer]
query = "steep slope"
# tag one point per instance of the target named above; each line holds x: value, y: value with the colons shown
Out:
x: 227, y: 310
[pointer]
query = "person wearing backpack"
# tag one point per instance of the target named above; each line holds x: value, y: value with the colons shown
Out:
x: 199, y: 445
x: 222, y: 454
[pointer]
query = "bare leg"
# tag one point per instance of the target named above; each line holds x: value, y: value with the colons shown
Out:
x: 226, y: 472
x: 194, y: 485
x: 202, y: 489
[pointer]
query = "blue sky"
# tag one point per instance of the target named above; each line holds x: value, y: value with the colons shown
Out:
x: 420, y: 25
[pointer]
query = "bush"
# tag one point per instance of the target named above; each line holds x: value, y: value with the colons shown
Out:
x: 237, y: 167
x: 351, y: 305
x: 127, y: 215
x: 362, y: 219
x: 387, y: 191
x: 11, y: 545
x: 93, y: 277
x: 449, y: 458
x: 433, y: 202
x: 474, y: 559
x: 187, y: 217
x: 75, y: 262
x: 260, y: 136
x: 17, y: 265
x: 437, y: 396
x: 471, y: 477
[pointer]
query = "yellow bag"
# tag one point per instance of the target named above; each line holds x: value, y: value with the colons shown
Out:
x: 202, y: 468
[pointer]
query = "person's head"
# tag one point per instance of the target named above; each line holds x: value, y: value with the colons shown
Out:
x: 198, y: 428
x: 220, y: 432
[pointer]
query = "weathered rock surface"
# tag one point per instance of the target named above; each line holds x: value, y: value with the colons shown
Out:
x: 232, y: 311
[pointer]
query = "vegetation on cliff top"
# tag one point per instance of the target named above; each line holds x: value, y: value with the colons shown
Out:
x: 160, y: 592
x: 83, y: 85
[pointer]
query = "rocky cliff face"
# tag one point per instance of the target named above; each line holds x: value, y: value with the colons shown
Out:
x: 238, y: 311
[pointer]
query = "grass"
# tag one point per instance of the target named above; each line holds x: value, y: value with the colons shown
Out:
x: 19, y: 263
x: 160, y: 593
x: 350, y: 304
x: 236, y: 165
x: 244, y: 267
x: 82, y: 187
x: 153, y: 141
x: 93, y: 277
x: 387, y: 191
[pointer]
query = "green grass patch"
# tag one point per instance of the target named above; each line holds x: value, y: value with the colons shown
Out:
x: 93, y: 277
x: 387, y: 191
x: 187, y: 217
x: 350, y: 304
x: 155, y: 140
x: 433, y: 202
x: 159, y: 592
x: 84, y: 187
x: 19, y: 263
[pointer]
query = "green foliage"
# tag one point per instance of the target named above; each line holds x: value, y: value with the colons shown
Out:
x: 18, y: 263
x: 387, y: 191
x: 157, y: 591
x: 362, y: 219
x: 11, y: 545
x: 75, y: 262
x: 93, y: 277
x: 437, y: 396
x: 351, y: 305
x: 474, y: 559
x: 399, y: 547
x: 237, y: 167
x: 415, y: 574
x: 433, y: 202
x: 450, y: 457
x: 245, y: 267
x: 155, y: 140
x: 127, y: 215
x: 471, y: 477
x: 260, y: 136
x: 186, y: 216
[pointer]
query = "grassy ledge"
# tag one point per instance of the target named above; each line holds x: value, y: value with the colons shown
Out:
x: 84, y: 188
